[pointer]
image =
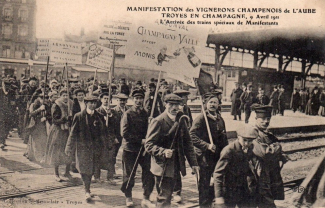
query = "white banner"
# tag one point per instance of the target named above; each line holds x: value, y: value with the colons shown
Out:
x: 43, y: 47
x: 99, y: 56
x: 115, y: 32
x: 65, y: 52
x: 168, y: 49
x: 183, y: 78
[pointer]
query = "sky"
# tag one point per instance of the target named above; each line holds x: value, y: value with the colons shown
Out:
x: 54, y: 17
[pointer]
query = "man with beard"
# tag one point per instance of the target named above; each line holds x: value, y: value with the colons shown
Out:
x: 235, y: 101
x: 148, y: 101
x: 233, y: 173
x: 134, y: 125
x: 168, y: 142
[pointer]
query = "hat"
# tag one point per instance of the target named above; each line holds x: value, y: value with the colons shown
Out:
x: 138, y: 83
x: 91, y: 98
x: 103, y: 94
x: 32, y: 78
x: 172, y: 98
x: 137, y: 93
x: 152, y: 85
x: 152, y: 79
x: 73, y: 80
x: 122, y: 79
x: 181, y: 92
x: 63, y: 90
x: 164, y: 83
x: 216, y: 92
x: 76, y: 91
x: 121, y: 96
x: 262, y: 111
x: 208, y: 96
x: 52, y: 93
x: 24, y: 80
x: 103, y: 85
x: 248, y: 132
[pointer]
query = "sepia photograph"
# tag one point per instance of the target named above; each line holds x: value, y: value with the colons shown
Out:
x: 182, y: 104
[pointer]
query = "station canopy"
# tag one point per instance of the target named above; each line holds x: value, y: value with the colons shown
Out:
x: 298, y: 43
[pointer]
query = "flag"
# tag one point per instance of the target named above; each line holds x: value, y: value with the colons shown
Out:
x: 204, y: 82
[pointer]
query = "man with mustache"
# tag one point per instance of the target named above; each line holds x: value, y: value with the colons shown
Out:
x: 231, y: 186
x: 168, y: 142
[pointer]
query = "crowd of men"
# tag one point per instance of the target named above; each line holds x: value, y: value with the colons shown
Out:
x: 243, y: 97
x: 83, y: 132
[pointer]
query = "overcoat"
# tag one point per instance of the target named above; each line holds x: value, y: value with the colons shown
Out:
x: 160, y: 136
x: 235, y: 101
x: 80, y: 139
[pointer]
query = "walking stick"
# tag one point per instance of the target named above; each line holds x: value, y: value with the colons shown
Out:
x: 171, y: 146
x: 135, y: 164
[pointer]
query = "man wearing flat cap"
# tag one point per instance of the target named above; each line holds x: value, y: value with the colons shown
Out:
x: 233, y: 174
x: 268, y: 160
x: 148, y: 101
x: 208, y: 153
x: 87, y: 137
x: 168, y: 142
x: 134, y: 125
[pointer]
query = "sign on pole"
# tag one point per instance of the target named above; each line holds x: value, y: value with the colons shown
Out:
x: 43, y: 47
x: 65, y: 52
x: 99, y: 56
x: 115, y: 32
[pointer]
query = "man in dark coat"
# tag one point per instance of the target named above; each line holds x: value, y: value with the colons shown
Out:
x: 267, y: 160
x: 148, y: 101
x: 168, y: 142
x: 123, y: 88
x: 134, y: 125
x: 281, y: 100
x: 247, y: 99
x: 274, y: 100
x: 303, y: 100
x: 87, y: 138
x: 78, y: 101
x: 233, y: 172
x: 261, y: 98
x: 295, y: 98
x: 314, y: 101
x: 235, y: 101
x: 208, y: 152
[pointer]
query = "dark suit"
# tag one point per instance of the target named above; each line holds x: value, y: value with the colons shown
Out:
x: 235, y: 102
x: 247, y: 99
x: 274, y: 97
x: 161, y: 133
x: 230, y: 176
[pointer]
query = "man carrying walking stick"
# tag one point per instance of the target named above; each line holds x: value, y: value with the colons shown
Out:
x: 134, y: 125
x: 168, y: 142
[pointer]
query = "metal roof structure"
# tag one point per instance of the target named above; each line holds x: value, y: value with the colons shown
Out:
x: 298, y: 44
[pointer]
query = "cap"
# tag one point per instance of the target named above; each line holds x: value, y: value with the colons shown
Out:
x: 103, y: 94
x: 208, y: 96
x: 91, y: 98
x: 103, y: 85
x: 52, y: 93
x: 248, y: 132
x: 152, y: 79
x: 122, y: 79
x: 24, y: 80
x: 137, y: 93
x: 73, y: 80
x: 217, y: 92
x: 164, y: 83
x: 152, y: 85
x: 138, y: 83
x: 262, y: 111
x: 172, y: 98
x: 76, y: 91
x: 32, y: 78
x: 63, y: 90
x: 181, y: 92
x: 121, y: 96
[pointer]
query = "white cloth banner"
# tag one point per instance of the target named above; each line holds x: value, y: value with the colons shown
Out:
x: 162, y: 48
x: 99, y: 56
x: 65, y: 52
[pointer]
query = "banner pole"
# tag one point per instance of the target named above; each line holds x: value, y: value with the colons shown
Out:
x: 155, y: 98
x: 94, y: 81
x: 110, y: 77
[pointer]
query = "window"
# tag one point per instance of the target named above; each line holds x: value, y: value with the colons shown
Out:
x: 7, y: 13
x: 23, y: 30
x: 5, y: 51
x: 23, y: 14
x: 6, y: 29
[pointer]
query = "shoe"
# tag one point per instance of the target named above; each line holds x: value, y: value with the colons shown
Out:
x: 145, y: 203
x: 67, y: 175
x: 235, y: 119
x: 129, y: 202
x: 177, y: 198
x: 88, y: 197
x: 57, y: 178
x: 111, y: 182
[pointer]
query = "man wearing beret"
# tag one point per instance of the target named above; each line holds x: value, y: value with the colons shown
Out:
x: 168, y: 142
x: 247, y: 99
x: 148, y: 101
x: 233, y: 174
x: 134, y: 125
x: 268, y: 160
x: 87, y: 138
